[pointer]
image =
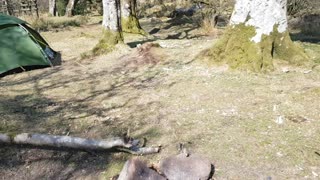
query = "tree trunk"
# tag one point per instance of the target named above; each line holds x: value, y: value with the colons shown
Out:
x: 5, y: 7
x: 52, y: 7
x: 70, y: 8
x: 257, y: 35
x: 112, y: 31
x: 10, y: 8
x: 129, y: 20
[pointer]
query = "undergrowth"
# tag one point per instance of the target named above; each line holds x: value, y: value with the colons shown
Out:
x: 46, y: 24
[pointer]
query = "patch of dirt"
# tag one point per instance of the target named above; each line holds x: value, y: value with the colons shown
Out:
x: 252, y: 126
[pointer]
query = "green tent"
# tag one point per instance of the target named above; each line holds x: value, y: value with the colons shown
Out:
x: 21, y: 46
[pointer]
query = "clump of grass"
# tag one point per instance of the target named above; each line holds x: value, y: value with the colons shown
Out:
x: 313, y: 50
x: 45, y: 24
x: 85, y: 55
x: 208, y: 28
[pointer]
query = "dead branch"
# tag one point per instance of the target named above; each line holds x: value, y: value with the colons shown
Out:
x: 44, y: 140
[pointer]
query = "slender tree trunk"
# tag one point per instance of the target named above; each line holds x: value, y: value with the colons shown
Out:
x: 52, y: 7
x: 129, y: 20
x: 10, y: 7
x: 6, y: 11
x: 257, y: 35
x: 112, y: 31
x: 70, y: 8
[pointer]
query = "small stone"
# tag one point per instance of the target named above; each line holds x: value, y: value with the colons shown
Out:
x: 280, y: 120
x: 315, y: 174
x: 307, y: 71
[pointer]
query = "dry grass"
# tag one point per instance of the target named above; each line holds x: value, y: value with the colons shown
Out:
x: 230, y: 117
x: 46, y: 23
x: 208, y: 29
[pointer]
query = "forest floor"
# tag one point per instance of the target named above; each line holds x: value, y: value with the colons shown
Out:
x: 250, y: 125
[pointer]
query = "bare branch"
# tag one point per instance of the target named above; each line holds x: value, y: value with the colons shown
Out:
x: 44, y: 140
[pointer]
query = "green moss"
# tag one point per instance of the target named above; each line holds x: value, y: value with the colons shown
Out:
x: 107, y: 42
x: 286, y: 49
x: 239, y: 52
x: 113, y: 169
x: 131, y: 25
x: 9, y: 128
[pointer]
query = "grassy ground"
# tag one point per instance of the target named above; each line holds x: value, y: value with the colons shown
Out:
x: 252, y: 126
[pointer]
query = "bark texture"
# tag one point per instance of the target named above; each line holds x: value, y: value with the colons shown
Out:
x: 52, y: 7
x: 129, y: 20
x: 111, y: 15
x: 44, y: 140
x: 112, y: 31
x: 70, y: 8
x: 256, y: 36
x: 263, y: 15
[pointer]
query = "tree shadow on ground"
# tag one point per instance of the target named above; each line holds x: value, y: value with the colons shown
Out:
x: 32, y: 110
x: 74, y: 102
x: 176, y: 28
x: 51, y: 164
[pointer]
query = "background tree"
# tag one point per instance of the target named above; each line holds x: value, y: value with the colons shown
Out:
x: 70, y: 8
x: 257, y: 35
x: 112, y: 32
x: 129, y: 20
x: 52, y: 7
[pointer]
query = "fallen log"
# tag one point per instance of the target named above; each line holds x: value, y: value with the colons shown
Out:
x: 124, y: 144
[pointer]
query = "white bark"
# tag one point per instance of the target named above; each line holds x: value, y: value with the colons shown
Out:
x: 52, y: 7
x: 70, y: 7
x: 69, y: 142
x: 125, y: 8
x: 44, y: 140
x: 263, y: 15
x: 111, y: 14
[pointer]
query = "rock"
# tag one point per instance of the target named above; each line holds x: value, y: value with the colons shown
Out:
x: 135, y: 169
x: 186, y: 168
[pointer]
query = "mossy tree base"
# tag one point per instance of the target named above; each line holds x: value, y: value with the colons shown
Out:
x: 131, y: 25
x: 107, y: 42
x: 239, y: 52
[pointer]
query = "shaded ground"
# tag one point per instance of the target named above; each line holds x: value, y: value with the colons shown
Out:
x: 252, y: 126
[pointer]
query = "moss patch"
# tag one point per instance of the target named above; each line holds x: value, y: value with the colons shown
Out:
x: 131, y: 25
x: 237, y: 50
x: 286, y: 49
x: 107, y: 42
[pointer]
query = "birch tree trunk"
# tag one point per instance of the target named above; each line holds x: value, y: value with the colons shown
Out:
x: 52, y: 7
x: 112, y: 31
x: 70, y: 8
x: 258, y: 34
x: 6, y: 3
x: 129, y: 20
